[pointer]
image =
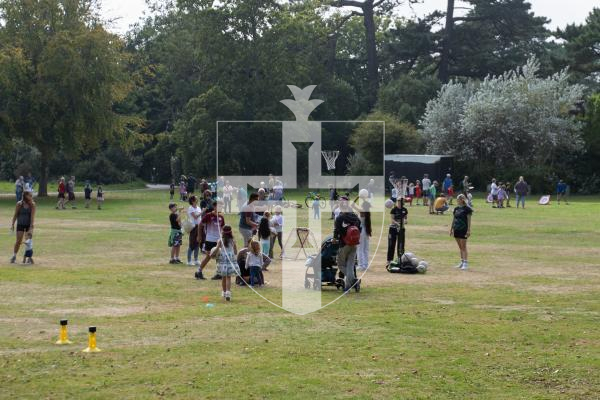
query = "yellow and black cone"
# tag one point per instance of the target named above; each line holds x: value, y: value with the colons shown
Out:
x: 92, y: 341
x: 63, y: 336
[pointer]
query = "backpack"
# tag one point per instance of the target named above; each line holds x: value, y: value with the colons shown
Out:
x: 352, y: 236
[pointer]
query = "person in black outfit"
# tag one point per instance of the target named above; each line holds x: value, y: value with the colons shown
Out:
x: 24, y: 217
x: 191, y: 185
x: 398, y: 214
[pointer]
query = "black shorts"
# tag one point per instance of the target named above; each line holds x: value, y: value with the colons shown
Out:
x: 495, y: 197
x: 460, y: 234
x: 29, y: 253
x: 23, y: 228
x: 61, y: 195
x: 208, y: 246
x: 71, y: 196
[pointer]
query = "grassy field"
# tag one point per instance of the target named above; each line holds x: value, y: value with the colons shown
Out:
x: 7, y: 188
x: 521, y: 324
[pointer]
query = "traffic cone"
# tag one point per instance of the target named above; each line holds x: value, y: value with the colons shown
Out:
x: 63, y: 337
x: 92, y: 341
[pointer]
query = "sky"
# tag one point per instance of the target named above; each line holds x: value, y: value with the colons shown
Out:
x: 561, y: 12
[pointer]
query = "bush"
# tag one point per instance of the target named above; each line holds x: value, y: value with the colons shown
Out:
x: 101, y: 170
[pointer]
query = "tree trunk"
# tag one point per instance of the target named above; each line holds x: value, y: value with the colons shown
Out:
x: 43, y: 185
x: 372, y: 61
x: 444, y: 69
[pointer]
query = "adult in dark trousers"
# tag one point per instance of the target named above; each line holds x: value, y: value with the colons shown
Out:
x: 190, y: 185
x: 561, y: 192
x: 397, y: 214
x: 521, y: 191
x: 24, y: 217
x: 466, y: 185
x: 346, y: 257
x: 71, y: 192
x: 333, y: 198
x: 248, y: 219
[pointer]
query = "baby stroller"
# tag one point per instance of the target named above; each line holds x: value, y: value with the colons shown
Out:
x: 330, y: 275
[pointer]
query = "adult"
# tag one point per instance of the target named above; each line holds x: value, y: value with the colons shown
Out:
x: 447, y: 185
x: 333, y: 198
x: 461, y: 229
x: 397, y: 215
x: 346, y: 257
x: 19, y: 188
x: 24, y: 216
x: 190, y: 185
x: 426, y: 185
x: 466, y: 185
x: 29, y: 182
x: 206, y: 202
x: 371, y: 188
x: 71, y: 192
x: 228, y: 191
x: 210, y: 224
x: 248, y: 219
x: 242, y: 198
x: 204, y: 186
x: 521, y: 191
x: 561, y: 192
x: 262, y: 198
x: 194, y: 215
x: 62, y: 189
x: 494, y: 189
x: 278, y: 190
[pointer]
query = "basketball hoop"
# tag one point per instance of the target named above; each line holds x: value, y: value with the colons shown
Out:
x: 330, y: 158
x: 400, y: 184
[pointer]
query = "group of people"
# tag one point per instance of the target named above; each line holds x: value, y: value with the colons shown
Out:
x: 66, y: 194
x: 22, y: 185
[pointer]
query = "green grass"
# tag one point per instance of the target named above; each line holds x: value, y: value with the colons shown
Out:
x: 522, y: 324
x: 9, y: 187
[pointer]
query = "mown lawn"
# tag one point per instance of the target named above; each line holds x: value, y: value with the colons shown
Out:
x: 521, y: 324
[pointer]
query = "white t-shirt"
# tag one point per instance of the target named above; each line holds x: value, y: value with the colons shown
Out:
x: 277, y: 222
x: 426, y: 182
x: 253, y: 260
x: 192, y: 210
x: 494, y: 189
x: 29, y: 244
x: 228, y: 191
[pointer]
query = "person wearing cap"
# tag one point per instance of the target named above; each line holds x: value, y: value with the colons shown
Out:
x: 347, y: 253
x: 210, y: 225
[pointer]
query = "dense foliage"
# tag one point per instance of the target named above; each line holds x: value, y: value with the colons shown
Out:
x: 77, y: 99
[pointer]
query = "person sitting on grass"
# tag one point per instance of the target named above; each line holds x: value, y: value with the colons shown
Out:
x: 461, y: 229
x: 255, y: 263
x: 28, y: 257
x: 226, y: 261
x: 441, y: 204
x: 175, y: 235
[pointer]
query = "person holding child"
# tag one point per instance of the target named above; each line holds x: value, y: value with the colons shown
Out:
x: 24, y: 216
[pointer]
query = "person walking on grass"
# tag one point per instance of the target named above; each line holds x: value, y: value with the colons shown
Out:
x: 210, y: 229
x: 432, y: 196
x: 87, y: 193
x: 71, y: 193
x: 99, y: 197
x: 521, y: 191
x: 172, y: 190
x: 175, y: 234
x: 277, y: 224
x: 426, y: 185
x: 226, y: 261
x: 461, y: 229
x: 194, y: 214
x: 561, y: 192
x: 28, y: 256
x: 62, y: 189
x: 24, y: 216
x: 494, y: 189
x: 248, y: 218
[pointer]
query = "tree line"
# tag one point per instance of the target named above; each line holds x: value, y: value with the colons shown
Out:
x: 75, y: 98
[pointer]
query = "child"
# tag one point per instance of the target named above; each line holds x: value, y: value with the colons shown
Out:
x: 418, y: 192
x: 28, y: 257
x: 264, y: 234
x: 277, y: 224
x: 172, y: 190
x: 226, y: 261
x: 507, y: 190
x: 451, y: 193
x: 254, y: 263
x: 501, y: 196
x: 182, y: 191
x: 100, y: 197
x: 175, y: 235
x: 411, y: 192
x: 87, y: 194
x: 316, y: 207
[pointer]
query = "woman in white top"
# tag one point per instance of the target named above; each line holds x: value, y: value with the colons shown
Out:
x: 194, y: 215
x: 228, y: 191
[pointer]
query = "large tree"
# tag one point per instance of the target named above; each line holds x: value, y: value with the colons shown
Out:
x: 61, y: 74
